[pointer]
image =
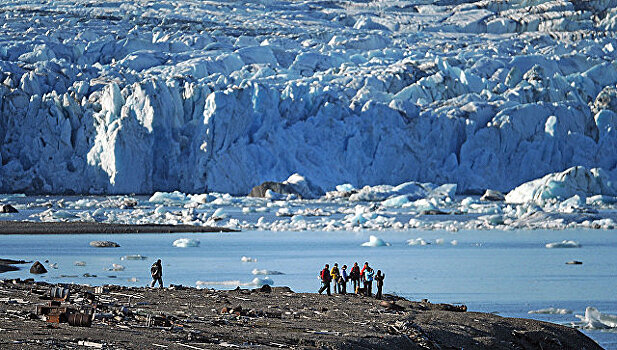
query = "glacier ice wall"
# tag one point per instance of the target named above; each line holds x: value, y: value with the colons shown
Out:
x: 149, y: 96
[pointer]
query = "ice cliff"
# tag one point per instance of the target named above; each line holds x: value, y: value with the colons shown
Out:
x: 145, y: 96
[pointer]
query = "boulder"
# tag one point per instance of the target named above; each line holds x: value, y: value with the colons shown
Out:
x: 104, y: 244
x: 296, y: 185
x: 7, y: 208
x: 38, y: 268
x: 278, y: 187
x: 493, y: 196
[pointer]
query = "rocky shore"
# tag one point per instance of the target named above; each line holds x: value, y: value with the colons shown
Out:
x: 188, y: 318
x: 29, y: 227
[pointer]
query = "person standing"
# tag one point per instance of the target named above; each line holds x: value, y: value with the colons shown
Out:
x: 379, y: 278
x: 368, y: 281
x: 156, y: 270
x: 335, y: 273
x: 325, y: 277
x: 363, y: 275
x: 343, y: 280
x: 355, y: 277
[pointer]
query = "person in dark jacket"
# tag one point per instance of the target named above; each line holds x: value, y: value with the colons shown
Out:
x: 343, y: 280
x: 326, y: 278
x: 379, y: 279
x: 354, y: 275
x: 156, y: 270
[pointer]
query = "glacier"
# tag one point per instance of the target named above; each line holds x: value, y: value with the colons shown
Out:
x: 199, y: 97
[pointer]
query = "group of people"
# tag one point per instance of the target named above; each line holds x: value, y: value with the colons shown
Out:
x: 362, y: 279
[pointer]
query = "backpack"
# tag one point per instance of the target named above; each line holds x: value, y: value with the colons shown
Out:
x: 154, y: 270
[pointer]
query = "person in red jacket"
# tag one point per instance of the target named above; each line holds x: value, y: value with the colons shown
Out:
x: 325, y: 277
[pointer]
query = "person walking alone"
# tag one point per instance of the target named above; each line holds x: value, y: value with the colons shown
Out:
x: 325, y: 277
x: 156, y: 270
x: 355, y: 277
x: 379, y: 278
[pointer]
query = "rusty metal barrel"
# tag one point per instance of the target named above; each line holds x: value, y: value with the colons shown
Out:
x: 59, y: 293
x: 80, y: 320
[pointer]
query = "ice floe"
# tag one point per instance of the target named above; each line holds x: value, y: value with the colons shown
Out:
x: 266, y: 272
x: 248, y: 259
x: 186, y: 242
x: 563, y: 244
x: 551, y: 310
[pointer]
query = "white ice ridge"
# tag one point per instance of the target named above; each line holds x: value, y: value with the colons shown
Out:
x: 594, y: 319
x: 166, y: 95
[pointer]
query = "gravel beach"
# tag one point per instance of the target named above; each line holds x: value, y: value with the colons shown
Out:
x: 265, y: 318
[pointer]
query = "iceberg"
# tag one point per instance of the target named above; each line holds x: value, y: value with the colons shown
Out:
x: 248, y: 259
x: 594, y: 319
x: 375, y: 241
x: 186, y: 242
x: 575, y: 181
x: 563, y: 244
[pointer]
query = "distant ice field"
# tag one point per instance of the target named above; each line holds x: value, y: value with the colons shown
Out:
x: 508, y: 272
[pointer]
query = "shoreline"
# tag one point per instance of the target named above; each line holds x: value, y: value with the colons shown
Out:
x: 187, y: 317
x: 40, y: 228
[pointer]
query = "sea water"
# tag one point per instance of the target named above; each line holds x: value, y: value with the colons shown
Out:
x: 506, y: 272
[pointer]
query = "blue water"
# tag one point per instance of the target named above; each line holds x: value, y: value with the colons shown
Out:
x: 507, y: 272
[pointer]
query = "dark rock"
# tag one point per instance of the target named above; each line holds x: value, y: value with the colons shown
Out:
x: 7, y: 208
x: 574, y: 262
x: 265, y: 289
x: 433, y: 212
x: 278, y: 187
x: 104, y: 244
x: 38, y: 268
x: 493, y: 196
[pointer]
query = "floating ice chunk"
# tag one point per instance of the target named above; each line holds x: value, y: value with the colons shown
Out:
x: 594, y: 319
x: 396, y: 202
x: 104, y: 244
x: 116, y: 267
x: 134, y: 257
x: 601, y: 200
x: 284, y: 212
x: 160, y: 210
x: 551, y: 310
x: 173, y: 198
x: 573, y: 181
x: 53, y: 265
x: 493, y: 220
x: 454, y: 242
x: 186, y: 242
x: 345, y: 188
x: 79, y: 263
x: 266, y: 272
x: 375, y: 241
x: 219, y: 214
x: 417, y: 241
x: 132, y: 279
x: 563, y: 244
x: 248, y: 259
x: 440, y: 241
x: 274, y: 195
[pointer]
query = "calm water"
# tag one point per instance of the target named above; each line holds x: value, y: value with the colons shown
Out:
x: 493, y: 271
